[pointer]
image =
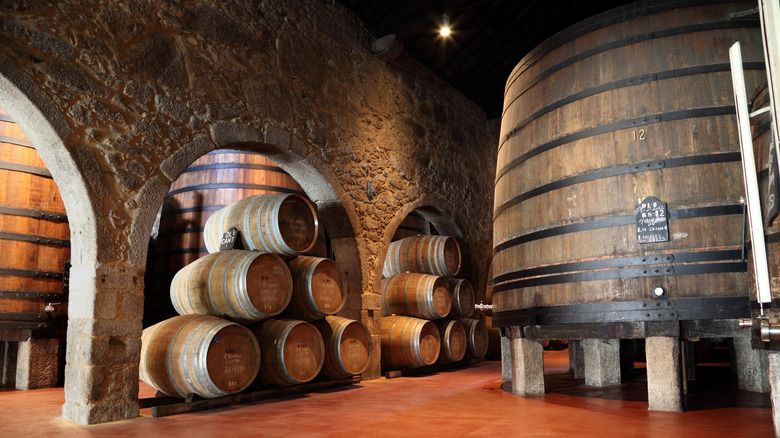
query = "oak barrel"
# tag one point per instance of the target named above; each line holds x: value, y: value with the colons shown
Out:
x: 422, y: 295
x: 210, y: 183
x: 293, y: 351
x: 319, y: 287
x: 347, y: 346
x: 453, y: 340
x: 282, y: 224
x: 769, y: 192
x: 630, y: 105
x: 476, y: 337
x: 462, y: 298
x: 437, y: 255
x: 198, y: 354
x: 408, y: 342
x: 414, y: 224
x: 34, y: 238
x: 239, y: 285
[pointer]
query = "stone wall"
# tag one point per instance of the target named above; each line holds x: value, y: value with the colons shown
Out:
x: 120, y: 97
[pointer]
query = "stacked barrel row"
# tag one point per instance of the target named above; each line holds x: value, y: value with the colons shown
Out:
x: 263, y: 314
x: 425, y: 309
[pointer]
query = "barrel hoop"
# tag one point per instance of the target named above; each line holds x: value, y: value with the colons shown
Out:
x: 614, y: 221
x: 280, y: 353
x: 183, y: 251
x: 6, y: 118
x: 34, y: 213
x: 24, y: 168
x: 191, y: 210
x: 773, y: 237
x: 415, y: 352
x: 336, y: 359
x: 649, y: 119
x: 630, y: 82
x: 197, y: 363
x: 681, y: 309
x: 233, y: 186
x: 605, y: 19
x: 625, y: 169
x: 622, y: 262
x: 623, y: 273
x: 16, y: 141
x: 634, y: 39
x: 225, y: 279
x: 176, y: 231
x: 32, y: 295
x: 234, y: 166
x: 31, y: 273
x: 32, y: 317
x: 34, y: 239
x: 169, y: 359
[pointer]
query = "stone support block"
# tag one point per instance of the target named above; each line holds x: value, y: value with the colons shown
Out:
x: 37, y: 364
x: 751, y: 365
x: 664, y: 374
x: 773, y: 369
x: 576, y: 359
x: 527, y: 367
x: 602, y: 361
x: 506, y: 360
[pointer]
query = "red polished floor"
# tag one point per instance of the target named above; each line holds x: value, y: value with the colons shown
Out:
x: 464, y: 402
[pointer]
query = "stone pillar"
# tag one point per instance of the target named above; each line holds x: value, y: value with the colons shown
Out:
x: 37, y: 364
x: 602, y: 361
x: 773, y: 368
x: 527, y: 367
x: 8, y: 363
x: 104, y: 343
x: 576, y: 359
x: 664, y: 374
x: 506, y: 360
x: 751, y: 365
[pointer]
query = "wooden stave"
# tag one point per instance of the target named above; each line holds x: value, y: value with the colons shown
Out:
x: 413, y: 354
x: 333, y: 329
x: 557, y: 295
x: 196, y: 287
x: 477, y: 337
x: 453, y: 340
x: 272, y: 335
x: 30, y: 282
x: 175, y: 381
x: 304, y: 303
x: 258, y: 220
x: 436, y: 255
x: 423, y: 296
x: 462, y: 298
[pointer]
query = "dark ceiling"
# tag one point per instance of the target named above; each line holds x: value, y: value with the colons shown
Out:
x: 489, y: 37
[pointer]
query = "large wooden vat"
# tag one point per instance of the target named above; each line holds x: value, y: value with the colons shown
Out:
x: 414, y: 224
x: 632, y: 104
x: 34, y: 239
x: 198, y: 354
x: 347, y: 346
x: 210, y: 183
x: 766, y: 166
x: 239, y: 285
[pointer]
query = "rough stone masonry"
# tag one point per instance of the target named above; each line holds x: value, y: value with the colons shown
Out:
x: 120, y: 97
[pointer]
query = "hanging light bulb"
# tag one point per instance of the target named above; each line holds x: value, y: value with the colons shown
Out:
x: 445, y: 25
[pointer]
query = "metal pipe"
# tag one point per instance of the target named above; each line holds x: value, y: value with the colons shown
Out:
x: 745, y: 323
x: 769, y: 332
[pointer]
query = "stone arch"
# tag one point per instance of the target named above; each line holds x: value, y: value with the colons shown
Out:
x: 439, y: 213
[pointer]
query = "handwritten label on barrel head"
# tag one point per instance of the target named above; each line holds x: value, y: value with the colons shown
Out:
x: 229, y: 240
x: 652, y: 224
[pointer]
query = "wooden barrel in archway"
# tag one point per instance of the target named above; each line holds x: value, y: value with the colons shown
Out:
x: 34, y: 237
x: 618, y: 188
x: 210, y: 183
